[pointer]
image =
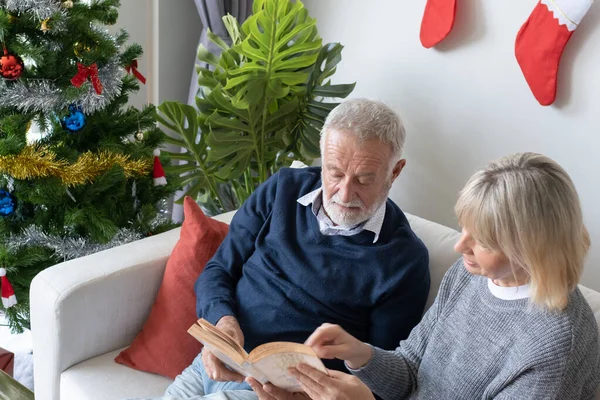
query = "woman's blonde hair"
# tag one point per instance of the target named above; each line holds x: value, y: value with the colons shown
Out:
x: 526, y: 206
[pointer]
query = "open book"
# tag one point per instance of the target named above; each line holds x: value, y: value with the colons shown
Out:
x: 266, y: 363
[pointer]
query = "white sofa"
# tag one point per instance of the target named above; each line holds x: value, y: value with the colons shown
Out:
x: 84, y: 311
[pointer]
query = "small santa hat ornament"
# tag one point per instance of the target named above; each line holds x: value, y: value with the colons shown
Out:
x: 8, y: 293
x: 158, y: 172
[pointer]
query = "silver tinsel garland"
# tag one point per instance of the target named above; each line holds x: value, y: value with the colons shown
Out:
x: 70, y: 248
x: 42, y: 9
x: 43, y: 95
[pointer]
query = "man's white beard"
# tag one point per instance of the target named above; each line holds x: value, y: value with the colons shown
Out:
x: 356, y: 214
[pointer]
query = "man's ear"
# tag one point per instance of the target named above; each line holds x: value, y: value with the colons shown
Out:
x: 398, y: 168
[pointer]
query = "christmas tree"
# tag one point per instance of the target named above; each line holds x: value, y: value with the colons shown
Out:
x: 93, y: 180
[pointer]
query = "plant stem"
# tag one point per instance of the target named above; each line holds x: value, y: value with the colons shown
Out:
x: 215, y: 194
x: 200, y: 163
x: 262, y: 170
x: 248, y: 182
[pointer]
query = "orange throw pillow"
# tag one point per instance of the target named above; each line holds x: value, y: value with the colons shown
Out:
x: 163, y: 346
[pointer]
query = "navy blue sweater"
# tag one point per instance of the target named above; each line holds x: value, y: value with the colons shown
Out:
x: 281, y: 278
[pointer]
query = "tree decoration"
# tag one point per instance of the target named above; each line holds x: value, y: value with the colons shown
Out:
x: 39, y: 162
x: 132, y: 68
x: 7, y: 203
x: 44, y: 25
x: 75, y: 120
x: 41, y: 9
x: 83, y: 73
x: 46, y: 96
x: 68, y: 248
x: 79, y: 49
x: 67, y: 4
x: 11, y: 66
x: 8, y: 293
x: 158, y: 173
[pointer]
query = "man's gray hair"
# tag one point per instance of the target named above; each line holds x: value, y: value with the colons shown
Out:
x: 367, y: 119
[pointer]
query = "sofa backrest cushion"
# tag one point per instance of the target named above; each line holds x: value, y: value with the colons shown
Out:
x: 163, y: 346
x: 439, y: 240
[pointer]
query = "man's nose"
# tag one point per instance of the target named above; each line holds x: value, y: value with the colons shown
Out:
x: 346, y: 192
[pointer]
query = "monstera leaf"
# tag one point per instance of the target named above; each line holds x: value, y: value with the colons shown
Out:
x: 281, y: 41
x: 193, y: 170
x: 261, y: 103
x: 313, y: 110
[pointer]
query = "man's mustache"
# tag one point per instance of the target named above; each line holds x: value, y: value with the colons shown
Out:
x: 357, y: 203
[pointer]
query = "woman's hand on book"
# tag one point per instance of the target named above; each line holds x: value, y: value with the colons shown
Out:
x: 337, y: 386
x: 331, y: 341
x: 214, y: 368
x: 270, y: 392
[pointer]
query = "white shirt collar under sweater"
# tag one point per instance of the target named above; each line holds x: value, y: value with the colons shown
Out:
x: 327, y: 227
x: 509, y: 292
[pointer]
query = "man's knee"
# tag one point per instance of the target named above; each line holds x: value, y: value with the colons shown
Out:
x: 189, y: 383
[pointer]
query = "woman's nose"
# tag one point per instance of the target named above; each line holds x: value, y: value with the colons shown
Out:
x: 464, y: 243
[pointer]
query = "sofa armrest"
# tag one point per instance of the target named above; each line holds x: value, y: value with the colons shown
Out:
x: 86, y: 307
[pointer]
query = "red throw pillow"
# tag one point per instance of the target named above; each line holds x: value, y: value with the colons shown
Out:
x: 163, y: 346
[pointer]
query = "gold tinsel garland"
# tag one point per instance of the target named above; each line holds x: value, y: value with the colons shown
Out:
x: 40, y: 162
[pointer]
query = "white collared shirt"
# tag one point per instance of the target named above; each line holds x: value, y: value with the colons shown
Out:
x: 327, y: 227
x: 509, y: 292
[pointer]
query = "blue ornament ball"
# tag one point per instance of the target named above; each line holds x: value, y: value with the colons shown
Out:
x: 75, y: 120
x: 7, y: 203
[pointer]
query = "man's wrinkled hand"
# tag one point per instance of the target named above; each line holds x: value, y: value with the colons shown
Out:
x: 214, y: 368
x: 270, y: 392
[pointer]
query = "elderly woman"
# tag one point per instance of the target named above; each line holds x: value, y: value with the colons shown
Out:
x: 509, y: 321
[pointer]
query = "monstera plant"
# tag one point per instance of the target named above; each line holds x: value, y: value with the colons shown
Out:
x: 260, y: 105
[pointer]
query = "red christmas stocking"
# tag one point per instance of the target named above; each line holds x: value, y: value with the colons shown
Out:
x: 541, y: 40
x: 437, y: 21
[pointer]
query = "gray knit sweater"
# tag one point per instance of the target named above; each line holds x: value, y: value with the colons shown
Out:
x: 472, y: 345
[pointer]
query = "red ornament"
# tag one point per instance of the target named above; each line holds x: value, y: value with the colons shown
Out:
x: 132, y: 68
x: 83, y: 73
x: 11, y: 66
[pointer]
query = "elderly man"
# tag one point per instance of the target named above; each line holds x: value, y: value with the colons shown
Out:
x: 316, y: 245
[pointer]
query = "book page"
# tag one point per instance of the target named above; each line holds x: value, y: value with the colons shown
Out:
x: 267, y: 349
x: 274, y: 369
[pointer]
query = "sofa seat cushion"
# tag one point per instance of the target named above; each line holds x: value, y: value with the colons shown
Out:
x: 101, y: 378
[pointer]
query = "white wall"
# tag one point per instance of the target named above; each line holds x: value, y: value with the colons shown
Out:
x: 179, y: 29
x: 466, y: 102
x: 168, y: 31
x: 135, y: 17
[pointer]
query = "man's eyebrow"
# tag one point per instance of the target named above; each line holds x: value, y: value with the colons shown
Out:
x: 332, y: 167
